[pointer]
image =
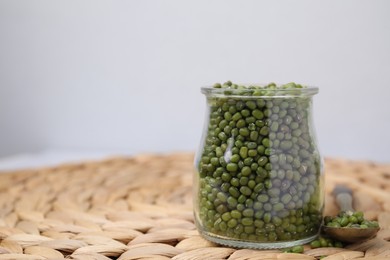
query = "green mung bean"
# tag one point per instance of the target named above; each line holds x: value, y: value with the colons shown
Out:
x: 350, y: 219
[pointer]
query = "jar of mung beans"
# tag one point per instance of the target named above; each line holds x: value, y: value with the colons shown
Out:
x: 258, y: 173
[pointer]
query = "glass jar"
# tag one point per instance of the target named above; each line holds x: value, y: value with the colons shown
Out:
x: 258, y: 173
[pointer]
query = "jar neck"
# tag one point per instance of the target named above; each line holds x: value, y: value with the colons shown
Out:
x: 254, y: 93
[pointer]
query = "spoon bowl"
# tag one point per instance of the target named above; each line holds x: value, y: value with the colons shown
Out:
x: 349, y: 234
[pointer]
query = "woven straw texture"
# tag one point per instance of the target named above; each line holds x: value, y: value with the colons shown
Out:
x: 141, y: 208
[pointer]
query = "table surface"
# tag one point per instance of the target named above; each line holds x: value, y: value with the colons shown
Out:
x: 51, y: 158
x: 141, y: 208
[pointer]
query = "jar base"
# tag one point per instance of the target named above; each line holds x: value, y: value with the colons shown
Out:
x: 255, y: 245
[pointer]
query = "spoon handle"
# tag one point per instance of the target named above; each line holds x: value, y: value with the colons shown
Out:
x: 343, y: 197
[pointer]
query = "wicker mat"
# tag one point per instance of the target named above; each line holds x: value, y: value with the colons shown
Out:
x: 141, y: 208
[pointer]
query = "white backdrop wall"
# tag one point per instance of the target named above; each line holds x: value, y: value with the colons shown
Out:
x: 124, y: 76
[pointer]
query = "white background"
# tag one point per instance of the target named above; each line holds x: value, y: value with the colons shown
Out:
x: 125, y: 76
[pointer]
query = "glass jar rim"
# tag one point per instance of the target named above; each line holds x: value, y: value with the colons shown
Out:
x: 306, y: 91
